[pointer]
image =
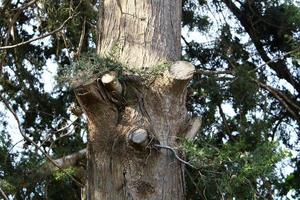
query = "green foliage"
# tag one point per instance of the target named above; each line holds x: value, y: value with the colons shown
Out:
x: 91, y: 66
x: 230, y: 169
x: 63, y: 175
x: 243, y: 89
x: 6, y: 186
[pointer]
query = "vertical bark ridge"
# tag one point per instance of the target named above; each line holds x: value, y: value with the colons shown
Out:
x: 139, y: 34
x: 119, y: 170
x: 149, y: 29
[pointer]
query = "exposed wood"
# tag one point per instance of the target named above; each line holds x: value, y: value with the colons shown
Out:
x: 111, y: 82
x: 68, y: 161
x: 182, y: 70
x: 139, y: 137
x: 126, y: 172
x: 149, y: 114
x: 194, y: 126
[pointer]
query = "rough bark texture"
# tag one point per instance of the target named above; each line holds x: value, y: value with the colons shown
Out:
x: 127, y: 118
x: 123, y: 167
x: 140, y: 33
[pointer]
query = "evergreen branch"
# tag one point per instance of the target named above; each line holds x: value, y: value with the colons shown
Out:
x: 175, y: 154
x: 41, y: 36
x: 3, y: 194
x: 7, y: 105
x: 280, y: 97
x: 280, y: 68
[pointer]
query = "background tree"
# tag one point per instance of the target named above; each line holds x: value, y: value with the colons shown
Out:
x: 249, y: 64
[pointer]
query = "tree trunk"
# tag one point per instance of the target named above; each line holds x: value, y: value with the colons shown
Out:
x: 131, y: 120
x: 140, y: 33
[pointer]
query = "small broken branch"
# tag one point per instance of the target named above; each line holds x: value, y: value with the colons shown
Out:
x: 111, y: 82
x: 182, y: 70
x: 68, y: 161
x: 175, y: 154
x: 194, y: 126
x: 139, y: 137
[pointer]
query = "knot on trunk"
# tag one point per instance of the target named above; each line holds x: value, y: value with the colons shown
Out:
x: 138, y: 138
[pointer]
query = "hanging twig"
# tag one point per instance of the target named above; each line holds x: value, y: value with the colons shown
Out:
x: 175, y: 154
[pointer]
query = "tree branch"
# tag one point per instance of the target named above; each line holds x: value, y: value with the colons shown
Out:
x: 209, y: 72
x: 39, y: 37
x: 67, y: 161
x: 26, y: 5
x: 7, y: 105
x: 82, y: 35
x: 280, y: 97
x: 279, y: 67
x: 175, y: 154
x: 3, y: 194
x: 276, y: 59
x: 224, y: 119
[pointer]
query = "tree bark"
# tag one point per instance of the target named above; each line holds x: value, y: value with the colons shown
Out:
x: 129, y: 119
x: 140, y: 33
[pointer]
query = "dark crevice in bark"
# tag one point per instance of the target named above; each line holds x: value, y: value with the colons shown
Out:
x: 123, y: 161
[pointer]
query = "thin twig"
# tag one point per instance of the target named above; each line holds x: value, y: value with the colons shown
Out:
x: 15, y: 145
x: 209, y: 72
x: 26, y: 5
x: 3, y: 194
x: 41, y: 36
x: 67, y: 126
x: 276, y: 59
x: 192, y: 180
x: 7, y: 105
x: 175, y: 154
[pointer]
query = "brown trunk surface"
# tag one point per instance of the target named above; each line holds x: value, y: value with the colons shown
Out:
x: 140, y: 33
x: 129, y: 118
